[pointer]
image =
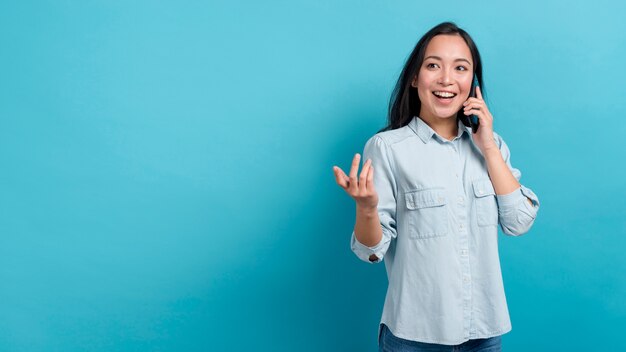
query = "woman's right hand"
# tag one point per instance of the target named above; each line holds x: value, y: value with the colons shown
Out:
x: 361, y: 188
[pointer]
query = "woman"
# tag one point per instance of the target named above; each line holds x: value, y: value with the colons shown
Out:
x: 429, y: 199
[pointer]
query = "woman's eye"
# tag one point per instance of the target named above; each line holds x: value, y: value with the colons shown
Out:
x: 431, y: 65
x: 461, y: 68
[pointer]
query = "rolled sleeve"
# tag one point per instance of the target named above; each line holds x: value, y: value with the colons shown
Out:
x: 364, y: 252
x: 385, y: 185
x: 515, y: 213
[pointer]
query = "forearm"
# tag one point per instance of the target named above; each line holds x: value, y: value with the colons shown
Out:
x: 367, y: 228
x: 501, y: 177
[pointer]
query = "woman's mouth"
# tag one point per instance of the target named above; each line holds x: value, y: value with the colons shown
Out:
x: 444, y: 97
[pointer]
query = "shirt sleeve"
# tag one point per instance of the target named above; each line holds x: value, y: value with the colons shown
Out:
x: 516, y: 215
x: 385, y: 184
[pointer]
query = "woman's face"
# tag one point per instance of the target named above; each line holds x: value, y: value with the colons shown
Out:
x: 445, y: 77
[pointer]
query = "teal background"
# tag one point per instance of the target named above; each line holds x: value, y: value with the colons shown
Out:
x: 166, y: 177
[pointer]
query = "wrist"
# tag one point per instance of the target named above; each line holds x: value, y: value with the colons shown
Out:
x: 366, y: 211
x: 492, y: 152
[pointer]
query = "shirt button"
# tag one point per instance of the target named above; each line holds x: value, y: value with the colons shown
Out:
x: 461, y: 226
x: 466, y: 279
x: 440, y: 200
x: 460, y: 200
x: 463, y: 251
x: 480, y: 191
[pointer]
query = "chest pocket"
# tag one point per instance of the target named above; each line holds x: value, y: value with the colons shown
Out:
x: 427, y: 213
x: 485, y: 201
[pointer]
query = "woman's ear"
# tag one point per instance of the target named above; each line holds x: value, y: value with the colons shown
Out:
x: 414, y: 82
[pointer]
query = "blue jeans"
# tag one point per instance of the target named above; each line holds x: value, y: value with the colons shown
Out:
x: 391, y: 343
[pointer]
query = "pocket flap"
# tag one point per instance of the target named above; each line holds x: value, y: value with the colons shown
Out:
x: 483, y: 188
x: 425, y: 198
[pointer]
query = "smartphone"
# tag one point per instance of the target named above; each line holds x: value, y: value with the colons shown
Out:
x: 472, y: 120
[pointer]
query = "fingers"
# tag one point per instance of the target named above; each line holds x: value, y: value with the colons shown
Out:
x: 355, y: 165
x: 363, y: 176
x: 370, y: 179
x: 479, y: 109
x: 353, y: 186
x: 478, y: 98
x: 356, y: 186
x: 475, y: 106
x: 472, y: 100
x: 340, y: 177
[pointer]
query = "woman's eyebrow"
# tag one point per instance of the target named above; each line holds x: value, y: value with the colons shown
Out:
x: 438, y: 58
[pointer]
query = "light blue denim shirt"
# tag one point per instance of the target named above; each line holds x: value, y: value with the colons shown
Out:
x: 439, y: 215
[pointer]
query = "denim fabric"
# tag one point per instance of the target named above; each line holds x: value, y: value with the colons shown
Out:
x: 390, y: 343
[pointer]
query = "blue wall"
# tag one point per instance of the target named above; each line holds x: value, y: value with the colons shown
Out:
x: 167, y: 181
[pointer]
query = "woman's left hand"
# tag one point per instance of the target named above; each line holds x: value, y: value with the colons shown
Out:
x: 483, y: 138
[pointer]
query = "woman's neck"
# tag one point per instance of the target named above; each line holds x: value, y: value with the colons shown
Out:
x: 447, y: 128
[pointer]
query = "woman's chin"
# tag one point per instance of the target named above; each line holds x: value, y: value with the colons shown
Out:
x: 445, y: 114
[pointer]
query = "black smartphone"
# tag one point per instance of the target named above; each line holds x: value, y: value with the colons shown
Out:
x: 472, y: 120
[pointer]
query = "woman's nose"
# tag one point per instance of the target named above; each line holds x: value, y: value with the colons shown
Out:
x: 445, y: 77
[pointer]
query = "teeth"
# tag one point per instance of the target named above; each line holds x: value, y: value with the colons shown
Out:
x: 444, y: 94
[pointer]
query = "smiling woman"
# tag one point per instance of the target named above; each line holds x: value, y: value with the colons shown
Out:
x: 444, y: 80
x: 445, y: 41
x: 430, y: 196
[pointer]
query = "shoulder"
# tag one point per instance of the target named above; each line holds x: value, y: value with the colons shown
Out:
x: 391, y: 137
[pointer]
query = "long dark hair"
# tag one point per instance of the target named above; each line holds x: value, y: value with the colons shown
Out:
x: 404, y: 102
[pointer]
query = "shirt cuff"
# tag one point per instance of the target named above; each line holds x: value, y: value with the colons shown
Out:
x: 364, y: 252
x: 512, y: 199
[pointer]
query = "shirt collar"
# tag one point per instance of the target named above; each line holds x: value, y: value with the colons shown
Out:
x: 426, y: 133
